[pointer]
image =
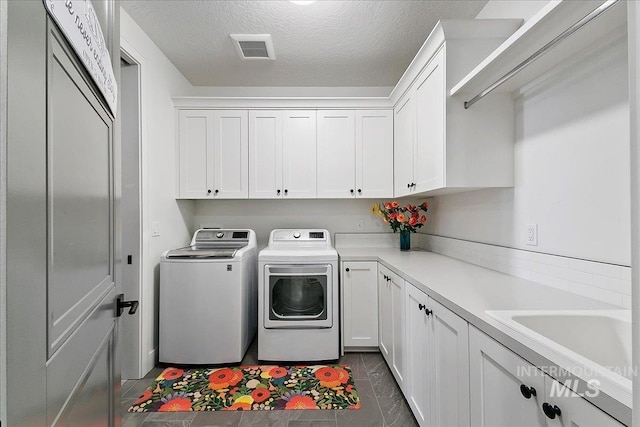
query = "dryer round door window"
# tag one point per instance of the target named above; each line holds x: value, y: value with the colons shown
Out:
x: 299, y: 296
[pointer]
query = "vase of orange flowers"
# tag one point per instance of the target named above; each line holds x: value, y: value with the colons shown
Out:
x: 405, y: 219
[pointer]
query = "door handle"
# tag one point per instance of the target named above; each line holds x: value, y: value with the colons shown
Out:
x: 121, y: 304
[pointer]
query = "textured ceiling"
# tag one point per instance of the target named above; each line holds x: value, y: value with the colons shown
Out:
x: 326, y: 43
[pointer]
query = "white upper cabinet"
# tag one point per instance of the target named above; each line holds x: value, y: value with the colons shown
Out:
x: 439, y: 146
x: 374, y: 153
x: 196, y: 151
x: 299, y: 154
x: 282, y: 154
x: 336, y: 153
x: 355, y: 153
x: 213, y: 147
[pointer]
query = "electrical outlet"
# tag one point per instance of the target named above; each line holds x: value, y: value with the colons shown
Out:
x: 155, y: 229
x: 360, y: 225
x: 532, y: 234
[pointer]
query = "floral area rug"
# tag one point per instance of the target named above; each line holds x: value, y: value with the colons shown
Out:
x: 246, y: 388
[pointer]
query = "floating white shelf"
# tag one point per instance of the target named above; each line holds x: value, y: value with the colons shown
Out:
x: 546, y: 25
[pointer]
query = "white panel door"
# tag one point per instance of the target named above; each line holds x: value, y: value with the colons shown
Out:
x: 574, y: 410
x: 374, y: 153
x: 498, y: 378
x: 403, y: 145
x: 430, y: 94
x: 360, y: 301
x: 196, y: 150
x: 299, y: 154
x: 336, y: 154
x: 418, y: 384
x: 398, y: 321
x: 449, y: 358
x: 385, y: 327
x: 231, y: 154
x: 265, y: 154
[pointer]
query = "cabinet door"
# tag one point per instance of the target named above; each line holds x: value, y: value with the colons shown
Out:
x: 265, y: 154
x: 385, y: 327
x: 336, y: 154
x: 403, y: 145
x: 230, y: 154
x: 360, y: 301
x: 299, y: 154
x: 195, y: 144
x: 374, y: 153
x: 430, y: 94
x: 397, y: 319
x: 496, y: 377
x: 449, y: 358
x: 574, y: 410
x: 418, y: 388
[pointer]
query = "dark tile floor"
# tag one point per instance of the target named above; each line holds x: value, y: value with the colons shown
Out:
x: 382, y: 403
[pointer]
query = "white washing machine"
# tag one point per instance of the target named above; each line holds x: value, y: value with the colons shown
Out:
x: 208, y: 298
x: 298, y: 307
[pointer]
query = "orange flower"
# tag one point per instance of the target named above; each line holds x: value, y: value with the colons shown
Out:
x: 172, y: 373
x: 223, y: 378
x: 393, y: 216
x: 387, y: 206
x: 425, y: 205
x: 410, y: 207
x: 301, y: 402
x: 278, y: 372
x: 145, y: 396
x: 238, y: 406
x: 332, y: 377
x: 176, y: 404
x: 260, y: 395
x: 413, y: 221
x: 401, y: 218
x: 423, y: 219
x: 395, y: 204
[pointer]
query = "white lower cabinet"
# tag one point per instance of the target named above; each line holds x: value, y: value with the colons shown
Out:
x: 573, y: 410
x: 392, y: 322
x: 508, y: 391
x: 360, y: 304
x: 437, y: 369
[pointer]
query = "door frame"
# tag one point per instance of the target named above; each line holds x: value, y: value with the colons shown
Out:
x: 143, y: 363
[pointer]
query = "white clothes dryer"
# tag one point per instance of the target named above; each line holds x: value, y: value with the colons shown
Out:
x: 208, y: 298
x: 298, y: 311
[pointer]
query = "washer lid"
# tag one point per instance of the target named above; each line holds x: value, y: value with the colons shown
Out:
x: 196, y: 252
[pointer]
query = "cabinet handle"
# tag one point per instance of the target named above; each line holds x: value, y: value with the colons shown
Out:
x: 359, y: 190
x: 215, y: 192
x: 388, y: 279
x: 385, y: 276
x: 428, y: 312
x: 208, y: 191
x: 551, y: 411
x: 413, y: 184
x: 351, y: 191
x: 347, y: 269
x: 408, y: 185
x: 527, y: 392
x: 278, y: 192
x: 286, y: 191
x: 421, y: 306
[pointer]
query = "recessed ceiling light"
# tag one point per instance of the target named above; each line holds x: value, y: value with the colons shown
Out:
x: 302, y: 2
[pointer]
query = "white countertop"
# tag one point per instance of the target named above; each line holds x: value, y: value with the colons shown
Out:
x: 470, y: 290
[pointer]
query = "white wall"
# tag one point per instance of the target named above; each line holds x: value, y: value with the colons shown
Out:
x: 160, y: 81
x: 523, y: 9
x: 337, y: 216
x: 571, y: 168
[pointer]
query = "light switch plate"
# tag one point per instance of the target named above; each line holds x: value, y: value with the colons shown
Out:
x: 155, y: 229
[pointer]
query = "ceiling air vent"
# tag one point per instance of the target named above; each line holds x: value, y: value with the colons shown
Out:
x: 253, y: 46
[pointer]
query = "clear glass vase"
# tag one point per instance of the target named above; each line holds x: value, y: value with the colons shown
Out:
x: 405, y: 240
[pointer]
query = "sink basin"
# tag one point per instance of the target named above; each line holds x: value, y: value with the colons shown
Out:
x: 597, y: 341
